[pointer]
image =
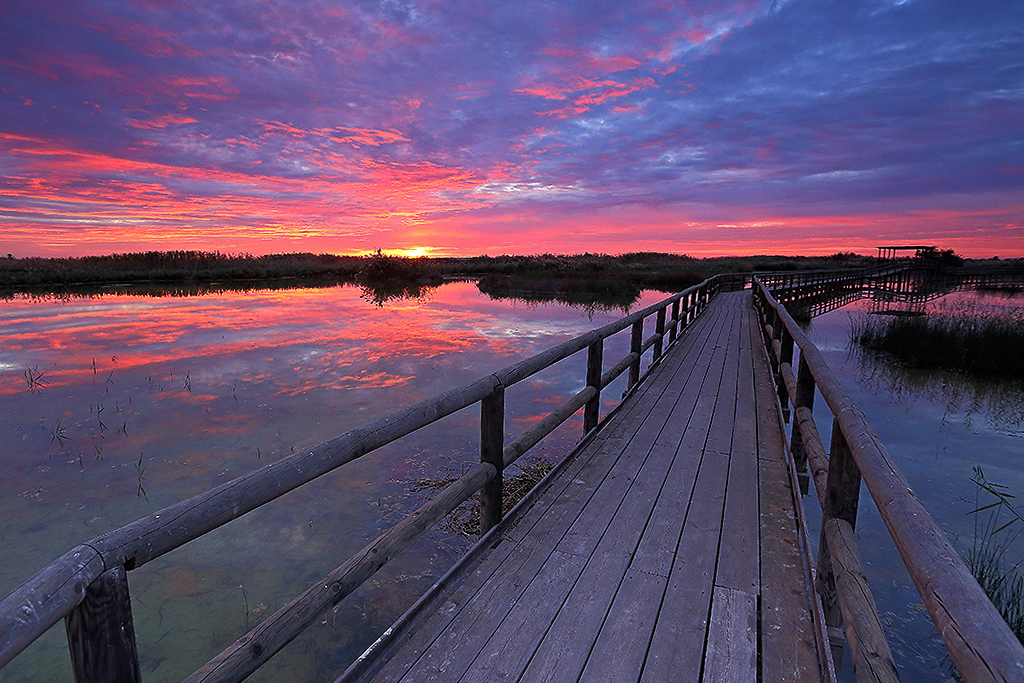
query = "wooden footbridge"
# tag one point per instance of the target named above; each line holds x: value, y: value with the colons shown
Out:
x: 669, y: 545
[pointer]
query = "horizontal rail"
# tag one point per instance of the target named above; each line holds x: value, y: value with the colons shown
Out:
x: 255, y: 648
x: 979, y: 642
x: 58, y: 589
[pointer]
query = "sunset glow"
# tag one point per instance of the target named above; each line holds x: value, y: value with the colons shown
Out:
x: 464, y: 128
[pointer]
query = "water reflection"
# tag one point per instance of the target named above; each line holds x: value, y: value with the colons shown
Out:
x: 140, y: 401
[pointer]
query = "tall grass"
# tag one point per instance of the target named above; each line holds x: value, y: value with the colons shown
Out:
x: 1002, y: 581
x: 966, y: 340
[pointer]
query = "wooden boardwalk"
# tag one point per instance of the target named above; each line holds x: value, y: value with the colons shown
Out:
x: 668, y: 549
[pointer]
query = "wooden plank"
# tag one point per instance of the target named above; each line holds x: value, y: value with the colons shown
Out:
x: 739, y: 567
x: 644, y: 429
x: 788, y: 651
x: 563, y: 652
x: 508, y: 651
x: 659, y: 544
x: 732, y: 638
x: 520, y: 561
x: 621, y: 647
x: 677, y: 647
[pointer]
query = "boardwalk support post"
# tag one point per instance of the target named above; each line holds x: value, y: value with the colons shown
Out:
x: 592, y: 411
x: 101, y: 636
x: 636, y: 341
x: 804, y: 399
x: 674, y: 327
x: 842, y: 498
x: 659, y: 335
x: 492, y: 445
x: 785, y: 359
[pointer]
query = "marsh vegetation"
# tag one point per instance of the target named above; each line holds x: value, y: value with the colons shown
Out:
x: 965, y: 338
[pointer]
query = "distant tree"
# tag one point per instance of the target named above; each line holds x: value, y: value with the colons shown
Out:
x: 946, y: 257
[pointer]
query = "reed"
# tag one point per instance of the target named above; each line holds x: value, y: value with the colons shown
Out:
x: 968, y: 340
x: 1001, y: 580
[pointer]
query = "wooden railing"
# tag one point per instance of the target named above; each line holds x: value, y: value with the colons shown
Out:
x: 979, y: 642
x: 88, y: 585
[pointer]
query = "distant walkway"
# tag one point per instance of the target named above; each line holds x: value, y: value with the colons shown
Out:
x: 667, y: 550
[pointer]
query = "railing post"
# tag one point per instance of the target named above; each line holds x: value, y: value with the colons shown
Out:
x: 674, y: 329
x: 786, y: 358
x: 101, y: 637
x: 659, y: 330
x: 492, y: 444
x: 804, y: 399
x: 843, y: 495
x: 592, y: 410
x: 636, y: 340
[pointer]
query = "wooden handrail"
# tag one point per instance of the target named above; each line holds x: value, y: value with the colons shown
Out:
x: 60, y: 588
x: 979, y: 642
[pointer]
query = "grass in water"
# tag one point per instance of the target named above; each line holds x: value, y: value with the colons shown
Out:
x: 965, y: 340
x: 986, y: 558
x: 465, y: 519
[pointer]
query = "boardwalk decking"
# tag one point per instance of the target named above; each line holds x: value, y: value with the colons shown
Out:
x: 668, y: 549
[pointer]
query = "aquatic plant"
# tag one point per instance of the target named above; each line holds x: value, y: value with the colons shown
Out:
x: 465, y: 519
x: 987, y: 556
x: 34, y: 377
x: 967, y: 340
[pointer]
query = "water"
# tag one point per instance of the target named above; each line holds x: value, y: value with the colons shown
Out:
x: 937, y: 426
x: 114, y: 406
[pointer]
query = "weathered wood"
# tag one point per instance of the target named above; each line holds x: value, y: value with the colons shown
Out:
x: 786, y: 600
x: 814, y: 451
x: 101, y: 636
x: 659, y: 333
x: 674, y: 324
x: 980, y: 643
x: 531, y: 438
x: 843, y: 479
x: 253, y: 649
x: 872, y: 659
x: 620, y: 648
x: 137, y: 543
x: 636, y: 347
x: 802, y: 398
x: 739, y: 566
x: 786, y: 380
x: 619, y: 368
x: 32, y: 608
x: 595, y: 360
x: 732, y: 638
x: 492, y: 445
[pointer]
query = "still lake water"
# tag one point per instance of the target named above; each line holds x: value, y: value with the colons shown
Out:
x: 114, y: 406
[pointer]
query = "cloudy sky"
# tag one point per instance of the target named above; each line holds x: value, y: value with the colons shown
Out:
x: 459, y: 127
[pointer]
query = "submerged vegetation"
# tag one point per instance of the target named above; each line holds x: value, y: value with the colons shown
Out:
x: 465, y: 519
x: 966, y: 340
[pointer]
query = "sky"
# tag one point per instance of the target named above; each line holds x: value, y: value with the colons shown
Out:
x: 460, y: 127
